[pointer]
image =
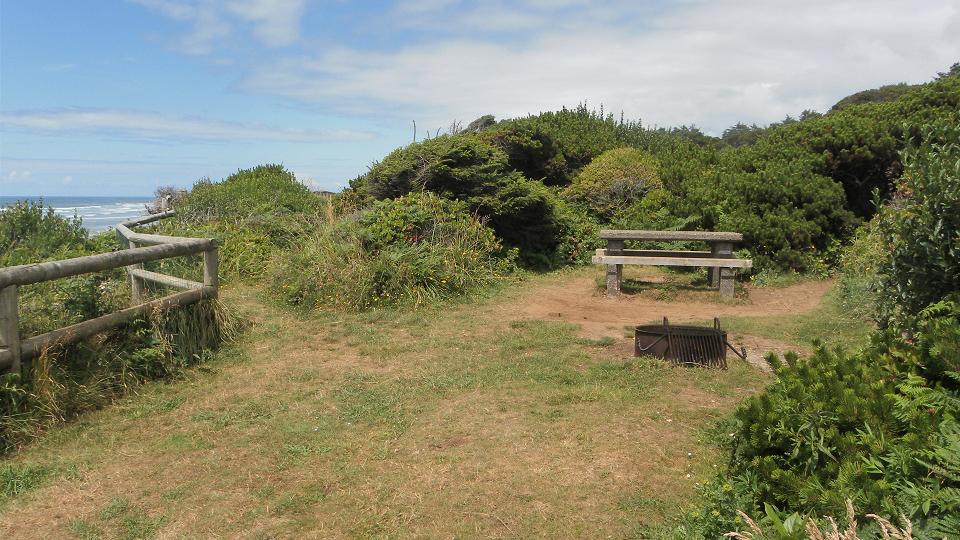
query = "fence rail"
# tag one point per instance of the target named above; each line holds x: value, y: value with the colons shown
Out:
x: 14, y: 349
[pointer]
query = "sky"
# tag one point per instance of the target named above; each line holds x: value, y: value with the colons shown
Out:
x: 117, y: 97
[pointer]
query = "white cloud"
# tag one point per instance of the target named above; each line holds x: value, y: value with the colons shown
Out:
x: 148, y: 125
x: 67, y: 179
x: 709, y: 63
x: 19, y: 175
x: 275, y: 23
x: 59, y: 67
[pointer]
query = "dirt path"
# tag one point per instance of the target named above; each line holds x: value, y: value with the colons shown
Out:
x: 578, y: 301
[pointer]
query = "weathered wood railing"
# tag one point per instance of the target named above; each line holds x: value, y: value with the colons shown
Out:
x: 13, y: 349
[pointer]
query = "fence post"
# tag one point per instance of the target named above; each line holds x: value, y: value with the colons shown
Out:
x: 10, y: 325
x: 136, y: 288
x: 211, y: 268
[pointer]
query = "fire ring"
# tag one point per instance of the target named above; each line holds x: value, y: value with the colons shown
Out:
x: 685, y: 345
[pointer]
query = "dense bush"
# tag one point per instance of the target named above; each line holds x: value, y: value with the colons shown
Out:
x: 858, y: 283
x: 887, y: 92
x: 254, y: 212
x: 522, y: 212
x: 32, y: 232
x: 613, y: 181
x: 879, y: 426
x: 922, y: 228
x: 251, y: 196
x: 404, y: 251
x: 857, y: 146
x: 785, y: 213
x: 531, y: 151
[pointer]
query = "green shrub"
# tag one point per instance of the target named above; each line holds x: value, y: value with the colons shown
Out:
x: 452, y: 166
x: 878, y: 427
x: 253, y: 212
x: 252, y: 196
x: 921, y: 229
x: 31, y: 232
x: 613, y: 181
x: 785, y: 213
x: 858, y: 284
x: 579, y: 237
x: 531, y: 151
x: 406, y: 251
x: 522, y: 212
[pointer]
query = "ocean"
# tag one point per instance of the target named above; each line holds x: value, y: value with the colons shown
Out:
x: 98, y: 213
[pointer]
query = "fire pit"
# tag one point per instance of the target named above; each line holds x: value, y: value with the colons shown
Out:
x: 685, y: 345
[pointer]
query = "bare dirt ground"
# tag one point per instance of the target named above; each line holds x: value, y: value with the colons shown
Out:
x: 579, y: 301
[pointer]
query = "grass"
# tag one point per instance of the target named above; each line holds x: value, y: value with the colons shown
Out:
x: 830, y: 322
x: 18, y: 478
x: 455, y: 420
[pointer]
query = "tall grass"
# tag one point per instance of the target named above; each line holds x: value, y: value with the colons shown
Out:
x: 409, y: 251
x: 66, y: 380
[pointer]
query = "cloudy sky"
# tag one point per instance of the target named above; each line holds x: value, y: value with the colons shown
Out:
x: 103, y: 97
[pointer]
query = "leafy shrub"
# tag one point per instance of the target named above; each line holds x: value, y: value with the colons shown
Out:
x: 654, y: 211
x: 884, y: 93
x: 579, y: 237
x: 31, y: 232
x: 456, y: 167
x: 878, y: 427
x: 922, y: 228
x: 531, y: 151
x: 580, y: 134
x: 251, y: 196
x: 803, y: 439
x: 253, y: 212
x: 410, y: 250
x: 522, y: 212
x: 785, y: 214
x: 858, y: 284
x: 613, y: 181
x: 857, y: 146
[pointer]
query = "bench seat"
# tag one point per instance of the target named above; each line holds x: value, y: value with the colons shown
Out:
x: 670, y: 258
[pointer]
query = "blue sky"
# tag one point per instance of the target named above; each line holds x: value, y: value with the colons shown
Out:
x: 117, y: 97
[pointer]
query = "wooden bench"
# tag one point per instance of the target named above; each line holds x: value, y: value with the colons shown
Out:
x: 719, y: 259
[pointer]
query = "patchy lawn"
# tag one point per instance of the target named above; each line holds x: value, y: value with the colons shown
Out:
x: 478, y: 419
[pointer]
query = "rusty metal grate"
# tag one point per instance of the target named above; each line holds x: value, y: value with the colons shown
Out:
x: 685, y: 345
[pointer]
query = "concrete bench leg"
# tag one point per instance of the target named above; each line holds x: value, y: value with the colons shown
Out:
x: 614, y: 271
x: 719, y: 250
x: 726, y: 281
x: 614, y: 279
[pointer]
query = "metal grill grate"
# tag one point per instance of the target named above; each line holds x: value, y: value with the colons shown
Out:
x: 685, y: 345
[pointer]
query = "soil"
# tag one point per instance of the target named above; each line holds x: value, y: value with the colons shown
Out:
x: 579, y: 301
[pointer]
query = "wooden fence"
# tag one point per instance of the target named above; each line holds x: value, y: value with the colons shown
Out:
x: 141, y: 248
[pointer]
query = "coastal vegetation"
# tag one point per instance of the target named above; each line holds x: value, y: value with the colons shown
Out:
x: 867, y: 193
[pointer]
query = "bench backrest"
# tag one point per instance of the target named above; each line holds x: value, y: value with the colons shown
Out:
x: 705, y: 236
